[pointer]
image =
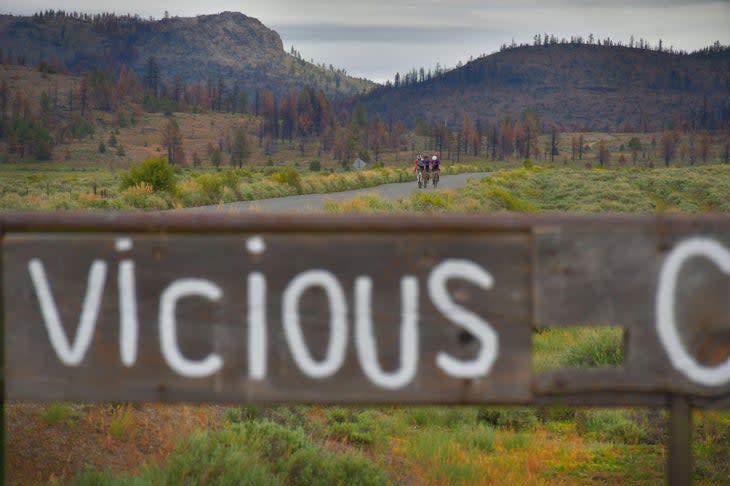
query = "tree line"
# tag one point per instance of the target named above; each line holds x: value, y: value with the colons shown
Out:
x: 526, y: 137
x: 300, y: 118
x: 416, y: 76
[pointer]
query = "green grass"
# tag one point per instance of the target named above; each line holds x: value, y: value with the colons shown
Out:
x: 577, y: 347
x: 57, y: 413
x: 120, y: 427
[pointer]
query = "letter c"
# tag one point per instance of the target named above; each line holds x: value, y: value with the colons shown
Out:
x: 168, y: 327
x: 666, y: 324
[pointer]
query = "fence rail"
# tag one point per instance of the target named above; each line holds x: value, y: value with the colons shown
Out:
x: 365, y: 309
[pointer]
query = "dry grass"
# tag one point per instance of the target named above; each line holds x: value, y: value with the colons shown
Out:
x: 118, y: 437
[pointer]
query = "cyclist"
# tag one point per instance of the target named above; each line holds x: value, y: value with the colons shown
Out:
x: 417, y: 163
x: 435, y: 169
x: 421, y: 166
x: 435, y: 164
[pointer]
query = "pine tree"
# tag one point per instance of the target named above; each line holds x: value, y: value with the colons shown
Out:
x: 240, y: 150
x: 172, y: 141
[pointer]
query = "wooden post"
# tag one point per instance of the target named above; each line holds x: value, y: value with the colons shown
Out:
x: 679, y: 458
x: 2, y: 368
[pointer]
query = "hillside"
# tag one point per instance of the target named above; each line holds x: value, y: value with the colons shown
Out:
x: 230, y: 45
x: 576, y: 86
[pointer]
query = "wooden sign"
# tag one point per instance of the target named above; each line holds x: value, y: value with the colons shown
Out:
x: 360, y: 309
x: 352, y: 317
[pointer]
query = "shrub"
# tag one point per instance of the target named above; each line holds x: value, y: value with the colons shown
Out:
x: 315, y: 165
x: 216, y: 458
x: 479, y: 437
x: 293, y: 417
x: 509, y: 200
x: 364, y: 203
x: 596, y: 349
x: 608, y: 425
x: 516, y: 418
x: 120, y: 425
x: 58, y: 412
x: 191, y: 194
x: 155, y: 172
x: 440, y: 416
x: 243, y: 413
x: 429, y: 201
x: 289, y: 176
x: 142, y: 196
x: 316, y: 467
x: 351, y: 427
x: 212, y: 184
x: 93, y: 201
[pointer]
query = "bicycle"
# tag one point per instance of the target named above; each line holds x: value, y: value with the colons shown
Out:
x: 436, y: 178
x: 419, y: 177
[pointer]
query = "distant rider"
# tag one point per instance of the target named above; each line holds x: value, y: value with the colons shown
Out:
x: 421, y: 163
x: 417, y: 164
x: 435, y: 164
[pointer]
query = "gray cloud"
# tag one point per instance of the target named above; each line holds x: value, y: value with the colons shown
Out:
x: 385, y: 34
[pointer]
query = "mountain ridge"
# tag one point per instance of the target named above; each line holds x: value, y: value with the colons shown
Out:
x: 574, y: 86
x: 231, y: 45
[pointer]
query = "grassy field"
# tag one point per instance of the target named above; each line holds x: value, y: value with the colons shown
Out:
x: 690, y: 190
x: 89, y: 444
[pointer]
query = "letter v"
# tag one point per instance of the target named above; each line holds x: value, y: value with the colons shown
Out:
x: 69, y: 355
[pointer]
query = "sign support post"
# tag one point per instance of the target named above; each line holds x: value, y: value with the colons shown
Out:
x: 679, y: 454
x: 2, y: 362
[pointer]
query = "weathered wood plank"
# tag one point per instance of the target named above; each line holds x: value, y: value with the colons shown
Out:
x: 548, y: 270
x: 116, y: 222
x: 211, y: 325
x: 599, y: 275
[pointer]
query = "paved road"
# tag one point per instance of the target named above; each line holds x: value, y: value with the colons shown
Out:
x: 314, y: 202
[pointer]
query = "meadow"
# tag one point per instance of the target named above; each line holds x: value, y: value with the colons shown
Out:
x: 533, y: 188
x: 89, y: 444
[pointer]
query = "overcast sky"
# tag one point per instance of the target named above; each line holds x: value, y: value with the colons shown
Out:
x: 377, y: 38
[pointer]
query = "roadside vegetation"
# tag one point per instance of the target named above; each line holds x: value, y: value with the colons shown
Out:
x: 154, y: 184
x: 531, y: 188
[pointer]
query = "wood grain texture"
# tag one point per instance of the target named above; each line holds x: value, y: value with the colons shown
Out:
x: 597, y: 275
x: 35, y: 372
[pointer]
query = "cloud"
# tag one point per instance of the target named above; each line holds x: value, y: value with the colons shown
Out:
x: 386, y: 34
